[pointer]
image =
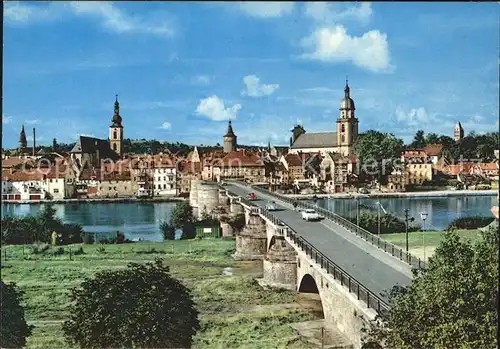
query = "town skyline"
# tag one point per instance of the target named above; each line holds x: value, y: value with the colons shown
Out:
x: 174, y: 85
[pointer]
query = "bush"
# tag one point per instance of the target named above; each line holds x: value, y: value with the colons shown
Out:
x: 188, y: 231
x: 88, y: 238
x: 141, y: 306
x: 388, y: 223
x: 168, y: 230
x: 473, y: 222
x: 237, y: 222
x: 13, y: 326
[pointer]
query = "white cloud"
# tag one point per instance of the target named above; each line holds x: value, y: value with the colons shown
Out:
x: 270, y: 9
x: 201, y: 80
x: 110, y: 16
x: 166, y: 125
x: 114, y: 19
x: 32, y: 122
x: 370, y: 51
x: 214, y: 108
x: 6, y: 119
x: 415, y: 116
x: 332, y: 13
x: 255, y: 89
x: 20, y: 12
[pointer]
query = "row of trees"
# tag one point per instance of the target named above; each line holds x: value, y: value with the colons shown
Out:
x: 372, y: 147
x: 472, y: 146
x: 39, y: 228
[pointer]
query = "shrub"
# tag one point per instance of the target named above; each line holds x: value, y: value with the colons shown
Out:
x: 141, y: 306
x: 168, y: 230
x: 13, y: 326
x: 388, y: 223
x: 88, y: 238
x: 473, y: 222
x: 237, y: 222
x: 188, y: 231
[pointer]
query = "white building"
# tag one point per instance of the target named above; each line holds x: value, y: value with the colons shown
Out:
x: 164, y: 180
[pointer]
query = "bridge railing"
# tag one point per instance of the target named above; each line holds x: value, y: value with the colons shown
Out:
x: 362, y: 293
x: 363, y: 233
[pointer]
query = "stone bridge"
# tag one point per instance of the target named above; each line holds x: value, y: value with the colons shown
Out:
x: 349, y: 273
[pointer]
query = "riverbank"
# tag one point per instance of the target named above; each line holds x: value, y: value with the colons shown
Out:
x: 430, y: 239
x: 377, y: 195
x: 156, y: 199
x: 235, y: 312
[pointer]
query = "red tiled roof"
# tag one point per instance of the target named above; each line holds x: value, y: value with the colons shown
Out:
x: 242, y: 158
x: 490, y: 166
x: 433, y: 149
x: 458, y: 168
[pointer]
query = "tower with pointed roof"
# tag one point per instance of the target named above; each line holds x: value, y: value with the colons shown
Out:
x: 23, y: 143
x: 229, y: 139
x: 116, y: 131
x: 458, y: 132
x: 347, y: 123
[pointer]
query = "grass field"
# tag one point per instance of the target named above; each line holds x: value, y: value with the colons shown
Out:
x: 431, y: 238
x: 230, y: 315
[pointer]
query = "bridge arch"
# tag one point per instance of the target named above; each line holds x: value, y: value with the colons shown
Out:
x: 309, y: 293
x: 272, y: 241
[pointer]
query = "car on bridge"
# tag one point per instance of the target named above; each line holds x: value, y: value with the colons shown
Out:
x: 311, y: 215
x: 271, y: 206
x: 251, y: 196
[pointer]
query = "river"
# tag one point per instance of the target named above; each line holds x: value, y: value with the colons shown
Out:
x: 141, y: 220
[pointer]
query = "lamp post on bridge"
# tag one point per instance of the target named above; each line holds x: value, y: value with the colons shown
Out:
x: 423, y: 215
x: 379, y: 205
x: 407, y: 220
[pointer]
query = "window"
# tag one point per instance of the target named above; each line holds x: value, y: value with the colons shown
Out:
x: 114, y: 188
x: 342, y: 128
x: 114, y: 134
x: 343, y: 137
x: 109, y: 188
x: 56, y: 191
x: 114, y: 146
x: 164, y: 186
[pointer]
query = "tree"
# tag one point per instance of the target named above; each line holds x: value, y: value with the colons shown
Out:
x: 376, y: 151
x: 168, y: 230
x: 182, y: 214
x: 419, y: 140
x: 450, y: 304
x: 13, y: 326
x: 432, y: 138
x: 141, y: 306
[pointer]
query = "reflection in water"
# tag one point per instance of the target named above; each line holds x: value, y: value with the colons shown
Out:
x: 136, y: 220
x: 141, y: 220
x: 441, y: 210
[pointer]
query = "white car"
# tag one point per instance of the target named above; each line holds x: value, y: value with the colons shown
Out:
x: 271, y: 206
x: 310, y: 215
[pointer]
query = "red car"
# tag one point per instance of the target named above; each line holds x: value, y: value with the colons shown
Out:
x: 251, y: 196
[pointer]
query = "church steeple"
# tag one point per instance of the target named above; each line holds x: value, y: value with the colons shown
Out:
x: 116, y: 131
x: 117, y: 119
x: 347, y: 90
x: 23, y: 143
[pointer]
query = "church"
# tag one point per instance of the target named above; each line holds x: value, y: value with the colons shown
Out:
x: 341, y: 141
x: 90, y: 150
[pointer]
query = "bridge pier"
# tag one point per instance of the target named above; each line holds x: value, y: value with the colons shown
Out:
x: 235, y: 207
x: 280, y: 265
x: 227, y: 229
x: 251, y: 242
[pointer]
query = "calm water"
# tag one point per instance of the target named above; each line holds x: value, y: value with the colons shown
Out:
x: 441, y: 210
x: 141, y: 220
x: 135, y: 220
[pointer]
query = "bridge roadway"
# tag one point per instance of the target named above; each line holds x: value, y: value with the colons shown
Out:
x: 373, y: 268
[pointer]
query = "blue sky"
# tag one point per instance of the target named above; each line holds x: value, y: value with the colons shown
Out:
x: 182, y: 69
